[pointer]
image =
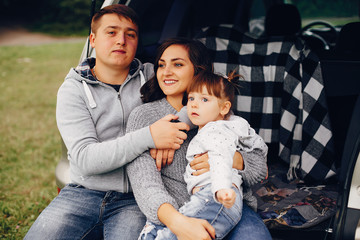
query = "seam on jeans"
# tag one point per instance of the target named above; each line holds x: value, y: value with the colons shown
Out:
x: 217, y: 215
x: 102, y: 207
x: 89, y: 231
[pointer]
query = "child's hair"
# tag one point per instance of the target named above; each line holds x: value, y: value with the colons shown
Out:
x: 222, y: 87
x: 118, y: 9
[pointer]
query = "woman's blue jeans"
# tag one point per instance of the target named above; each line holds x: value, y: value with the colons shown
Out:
x: 80, y: 213
x: 202, y: 205
x: 250, y: 227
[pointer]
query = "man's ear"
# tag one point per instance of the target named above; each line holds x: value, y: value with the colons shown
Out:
x: 92, y: 39
x: 225, y: 108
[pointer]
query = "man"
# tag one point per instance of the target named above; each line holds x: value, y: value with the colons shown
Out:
x: 93, y: 106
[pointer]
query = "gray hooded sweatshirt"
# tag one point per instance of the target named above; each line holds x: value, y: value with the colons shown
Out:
x: 92, y: 117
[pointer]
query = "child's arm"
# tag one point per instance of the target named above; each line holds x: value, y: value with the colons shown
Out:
x: 220, y: 145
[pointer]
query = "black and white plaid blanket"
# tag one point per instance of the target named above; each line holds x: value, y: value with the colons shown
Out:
x: 282, y: 96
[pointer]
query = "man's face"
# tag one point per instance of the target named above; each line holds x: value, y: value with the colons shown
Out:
x: 115, y: 41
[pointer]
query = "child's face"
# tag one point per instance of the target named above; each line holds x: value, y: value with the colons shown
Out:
x: 203, y: 107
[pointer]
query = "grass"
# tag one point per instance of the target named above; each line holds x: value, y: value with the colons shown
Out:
x: 29, y: 140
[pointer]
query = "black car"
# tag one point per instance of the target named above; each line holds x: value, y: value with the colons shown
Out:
x: 300, y: 92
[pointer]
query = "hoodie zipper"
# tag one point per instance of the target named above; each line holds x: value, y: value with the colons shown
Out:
x: 121, y: 105
x: 125, y: 180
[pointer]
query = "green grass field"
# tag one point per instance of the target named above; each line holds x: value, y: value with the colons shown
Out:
x: 29, y: 140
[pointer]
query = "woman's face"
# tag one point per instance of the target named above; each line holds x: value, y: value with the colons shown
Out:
x: 175, y: 71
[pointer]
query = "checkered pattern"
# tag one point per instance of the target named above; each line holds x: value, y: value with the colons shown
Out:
x: 282, y: 96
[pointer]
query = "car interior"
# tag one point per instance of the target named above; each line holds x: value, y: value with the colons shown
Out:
x: 300, y: 93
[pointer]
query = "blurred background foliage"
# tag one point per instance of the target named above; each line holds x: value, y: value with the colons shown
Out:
x: 65, y: 17
x: 72, y: 17
x: 333, y: 8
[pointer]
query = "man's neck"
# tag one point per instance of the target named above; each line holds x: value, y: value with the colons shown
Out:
x: 110, y: 75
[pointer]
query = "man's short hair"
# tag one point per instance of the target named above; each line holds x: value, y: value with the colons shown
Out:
x: 118, y: 9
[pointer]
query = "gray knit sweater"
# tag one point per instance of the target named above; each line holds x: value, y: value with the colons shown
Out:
x: 152, y: 188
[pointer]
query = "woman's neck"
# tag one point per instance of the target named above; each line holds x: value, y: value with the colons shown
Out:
x: 175, y: 102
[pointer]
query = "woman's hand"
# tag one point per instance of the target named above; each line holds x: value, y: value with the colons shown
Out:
x: 185, y: 228
x: 238, y: 161
x: 200, y: 164
x: 194, y: 228
x: 163, y: 157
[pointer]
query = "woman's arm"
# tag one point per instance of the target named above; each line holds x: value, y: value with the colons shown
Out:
x: 146, y: 181
x: 253, y: 150
x: 255, y: 167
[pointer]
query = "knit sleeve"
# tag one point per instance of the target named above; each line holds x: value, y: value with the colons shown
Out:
x: 254, y: 152
x: 146, y: 181
x: 255, y: 167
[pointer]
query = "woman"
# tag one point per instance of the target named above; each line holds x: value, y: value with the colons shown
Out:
x: 160, y: 193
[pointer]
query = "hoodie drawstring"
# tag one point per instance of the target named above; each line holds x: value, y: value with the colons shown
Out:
x: 89, y: 96
x: 142, y: 78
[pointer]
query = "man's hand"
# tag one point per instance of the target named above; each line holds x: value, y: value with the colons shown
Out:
x: 200, y: 164
x: 226, y: 197
x: 167, y: 135
x: 163, y: 157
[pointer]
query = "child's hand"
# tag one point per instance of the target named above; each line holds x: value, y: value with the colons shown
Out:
x: 226, y: 197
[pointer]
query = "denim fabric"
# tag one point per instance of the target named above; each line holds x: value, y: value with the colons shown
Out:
x: 202, y: 205
x: 250, y: 227
x: 80, y: 213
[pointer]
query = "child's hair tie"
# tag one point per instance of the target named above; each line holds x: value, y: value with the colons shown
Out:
x: 234, y: 78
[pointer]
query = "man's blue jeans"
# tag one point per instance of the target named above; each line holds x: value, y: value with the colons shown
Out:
x: 79, y: 213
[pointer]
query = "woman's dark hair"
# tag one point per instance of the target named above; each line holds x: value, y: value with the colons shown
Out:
x: 198, y: 55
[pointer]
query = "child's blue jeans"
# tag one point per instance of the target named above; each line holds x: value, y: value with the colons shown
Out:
x: 201, y: 205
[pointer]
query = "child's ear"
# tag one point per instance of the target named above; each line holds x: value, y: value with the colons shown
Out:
x: 225, y: 108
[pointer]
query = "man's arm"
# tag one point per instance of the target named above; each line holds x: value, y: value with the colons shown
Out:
x: 86, y: 150
x: 94, y: 155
